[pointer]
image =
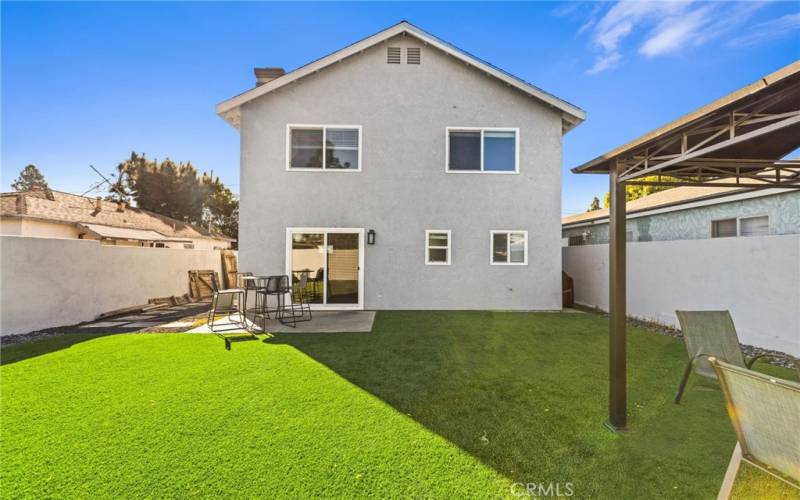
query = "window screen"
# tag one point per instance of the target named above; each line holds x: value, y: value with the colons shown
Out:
x: 341, y: 148
x: 723, y: 228
x: 306, y: 148
x: 465, y: 150
x: 500, y: 247
x: 754, y: 226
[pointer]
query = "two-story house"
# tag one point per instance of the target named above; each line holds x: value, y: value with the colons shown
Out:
x: 404, y: 173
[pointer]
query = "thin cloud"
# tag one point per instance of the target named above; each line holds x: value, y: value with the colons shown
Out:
x: 674, y: 33
x: 592, y: 19
x: 663, y: 27
x: 603, y: 63
x: 768, y: 30
x: 620, y: 21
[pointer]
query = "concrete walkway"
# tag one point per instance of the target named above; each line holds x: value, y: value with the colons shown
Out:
x: 174, y: 318
x: 322, y: 322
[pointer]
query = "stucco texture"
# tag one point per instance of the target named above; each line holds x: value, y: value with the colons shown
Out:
x: 403, y: 188
x: 695, y: 223
x: 50, y: 282
x: 757, y: 279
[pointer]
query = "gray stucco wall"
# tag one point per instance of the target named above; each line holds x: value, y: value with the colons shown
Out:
x: 403, y: 188
x: 695, y: 223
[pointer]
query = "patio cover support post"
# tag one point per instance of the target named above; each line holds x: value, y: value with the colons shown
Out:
x: 616, y: 306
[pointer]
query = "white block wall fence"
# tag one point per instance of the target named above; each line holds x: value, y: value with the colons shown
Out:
x: 49, y: 282
x: 756, y: 278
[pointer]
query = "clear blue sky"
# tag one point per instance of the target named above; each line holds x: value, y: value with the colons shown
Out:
x: 87, y: 83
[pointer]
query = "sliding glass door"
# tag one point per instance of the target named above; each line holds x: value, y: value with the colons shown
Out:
x: 333, y: 260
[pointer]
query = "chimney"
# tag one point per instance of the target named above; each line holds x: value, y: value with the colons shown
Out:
x: 98, y: 205
x: 120, y: 206
x: 22, y: 206
x: 266, y: 75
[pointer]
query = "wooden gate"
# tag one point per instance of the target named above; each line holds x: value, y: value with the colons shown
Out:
x: 202, y: 283
x: 230, y: 268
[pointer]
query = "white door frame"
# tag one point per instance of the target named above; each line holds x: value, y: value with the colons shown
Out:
x: 326, y: 230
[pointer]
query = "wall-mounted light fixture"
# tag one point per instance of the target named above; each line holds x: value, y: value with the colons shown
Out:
x: 371, y: 237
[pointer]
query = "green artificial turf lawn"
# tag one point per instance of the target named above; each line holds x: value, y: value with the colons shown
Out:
x: 433, y: 404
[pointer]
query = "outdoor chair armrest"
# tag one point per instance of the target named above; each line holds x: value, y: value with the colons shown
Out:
x: 749, y: 362
x: 794, y: 361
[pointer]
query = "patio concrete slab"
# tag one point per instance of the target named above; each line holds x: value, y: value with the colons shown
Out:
x: 177, y: 324
x: 104, y: 324
x: 157, y: 318
x: 322, y: 322
x: 143, y: 324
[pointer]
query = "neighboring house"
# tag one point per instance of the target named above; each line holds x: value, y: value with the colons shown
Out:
x: 404, y: 173
x: 52, y: 214
x: 688, y: 213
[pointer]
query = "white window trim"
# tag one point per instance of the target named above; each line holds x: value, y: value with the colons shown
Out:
x: 330, y: 230
x: 738, y: 225
x: 449, y: 246
x: 306, y: 126
x: 508, y: 247
x: 481, y: 130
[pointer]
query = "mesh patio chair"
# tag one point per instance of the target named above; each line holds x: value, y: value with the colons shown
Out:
x: 272, y: 286
x: 316, y: 284
x: 249, y: 284
x: 239, y: 276
x: 225, y: 302
x: 299, y: 295
x: 765, y: 413
x: 709, y: 333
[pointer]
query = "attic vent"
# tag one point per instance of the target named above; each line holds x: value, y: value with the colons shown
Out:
x: 393, y: 55
x: 412, y: 55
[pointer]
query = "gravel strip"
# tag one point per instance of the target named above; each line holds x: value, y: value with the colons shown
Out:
x: 776, y: 358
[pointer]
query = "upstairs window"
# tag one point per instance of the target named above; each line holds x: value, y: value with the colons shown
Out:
x: 490, y: 150
x: 509, y: 248
x: 321, y: 147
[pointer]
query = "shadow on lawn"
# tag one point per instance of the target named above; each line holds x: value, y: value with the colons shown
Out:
x: 12, y: 353
x: 525, y: 393
x: 516, y: 402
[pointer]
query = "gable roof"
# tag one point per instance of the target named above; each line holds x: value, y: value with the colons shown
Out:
x: 571, y: 115
x: 55, y: 206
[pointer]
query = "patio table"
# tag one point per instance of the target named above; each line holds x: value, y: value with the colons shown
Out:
x: 259, y: 285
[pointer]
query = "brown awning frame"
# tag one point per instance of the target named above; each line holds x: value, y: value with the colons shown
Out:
x: 739, y: 140
x: 743, y: 136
